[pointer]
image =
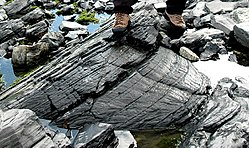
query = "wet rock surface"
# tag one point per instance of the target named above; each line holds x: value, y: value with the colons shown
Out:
x: 141, y: 80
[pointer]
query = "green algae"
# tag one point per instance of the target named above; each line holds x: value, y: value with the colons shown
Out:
x: 158, y: 139
x: 87, y: 17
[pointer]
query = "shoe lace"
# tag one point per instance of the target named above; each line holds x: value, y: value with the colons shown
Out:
x: 178, y: 18
x: 120, y: 18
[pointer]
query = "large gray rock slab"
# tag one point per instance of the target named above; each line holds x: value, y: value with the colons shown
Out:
x: 10, y: 29
x: 21, y: 128
x: 130, y: 82
x: 17, y: 8
x: 224, y: 122
x: 241, y: 32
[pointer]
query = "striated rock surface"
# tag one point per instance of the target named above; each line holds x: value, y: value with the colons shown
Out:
x: 129, y: 82
x: 10, y: 29
x: 20, y: 128
x: 17, y: 8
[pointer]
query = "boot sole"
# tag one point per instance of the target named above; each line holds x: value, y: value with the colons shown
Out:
x: 121, y: 30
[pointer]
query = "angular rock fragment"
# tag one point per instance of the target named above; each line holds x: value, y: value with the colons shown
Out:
x: 96, y: 135
x: 223, y: 23
x: 18, y: 8
x: 21, y: 128
x: 241, y: 33
x: 34, y: 16
x: 37, y: 30
x: 10, y: 29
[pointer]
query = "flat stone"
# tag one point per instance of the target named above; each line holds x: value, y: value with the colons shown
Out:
x: 199, y: 10
x: 70, y: 26
x: 77, y: 33
x: 211, y: 50
x: 160, y: 5
x: 220, y: 7
x: 99, y: 6
x: 223, y: 22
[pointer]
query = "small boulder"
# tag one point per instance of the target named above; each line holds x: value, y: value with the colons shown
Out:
x: 53, y: 39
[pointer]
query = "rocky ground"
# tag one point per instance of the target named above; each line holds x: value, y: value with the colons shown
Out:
x: 142, y: 80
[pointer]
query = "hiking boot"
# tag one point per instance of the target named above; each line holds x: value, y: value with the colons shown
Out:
x: 122, y: 21
x: 177, y: 20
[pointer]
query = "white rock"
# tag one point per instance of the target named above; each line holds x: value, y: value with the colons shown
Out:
x: 70, y: 26
x: 160, y: 5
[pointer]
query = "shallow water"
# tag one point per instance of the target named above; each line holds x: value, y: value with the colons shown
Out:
x: 7, y: 71
x: 158, y: 139
x: 5, y: 64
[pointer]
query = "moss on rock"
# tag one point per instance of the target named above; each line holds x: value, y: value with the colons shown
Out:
x: 86, y: 17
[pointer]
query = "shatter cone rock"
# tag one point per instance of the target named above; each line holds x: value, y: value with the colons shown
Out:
x: 129, y: 82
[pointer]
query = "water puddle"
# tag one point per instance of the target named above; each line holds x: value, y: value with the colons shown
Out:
x: 91, y: 27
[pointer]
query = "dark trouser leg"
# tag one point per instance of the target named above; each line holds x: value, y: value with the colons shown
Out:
x: 124, y: 6
x: 175, y: 6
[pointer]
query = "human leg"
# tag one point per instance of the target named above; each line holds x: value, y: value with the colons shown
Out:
x: 174, y: 12
x: 122, y: 10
